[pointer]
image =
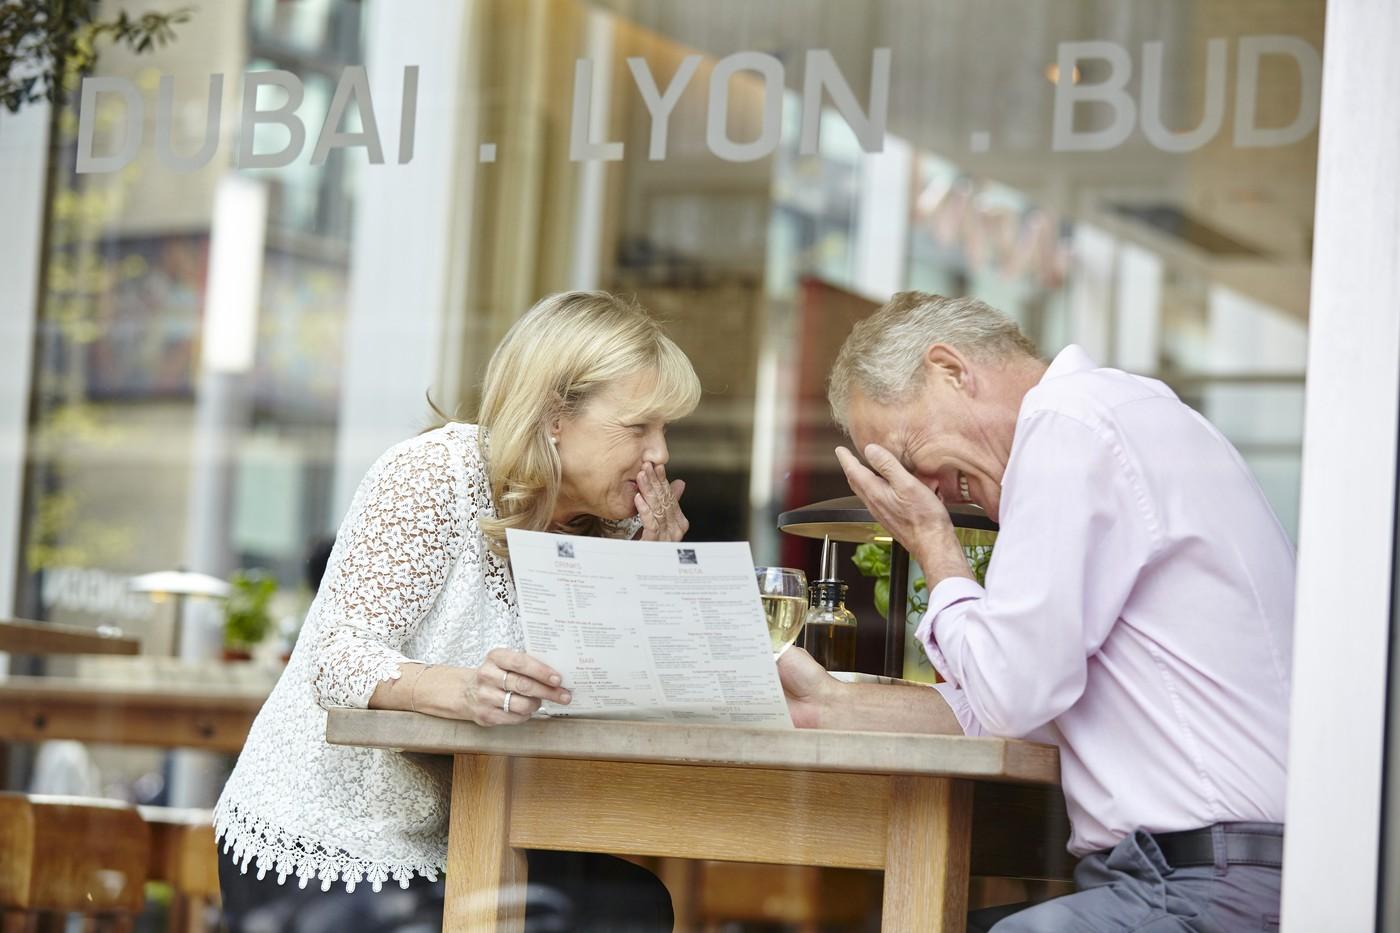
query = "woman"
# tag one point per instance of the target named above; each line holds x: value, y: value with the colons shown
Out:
x: 417, y: 610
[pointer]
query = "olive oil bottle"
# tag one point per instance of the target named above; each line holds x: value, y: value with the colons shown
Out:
x: 830, y: 631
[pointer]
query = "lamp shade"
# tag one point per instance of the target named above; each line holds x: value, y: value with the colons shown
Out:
x: 180, y: 583
x: 847, y: 519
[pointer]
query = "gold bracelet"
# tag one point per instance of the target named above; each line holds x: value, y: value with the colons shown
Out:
x: 413, y: 691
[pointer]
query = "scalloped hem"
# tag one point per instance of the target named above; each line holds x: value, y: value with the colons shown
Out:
x: 257, y: 843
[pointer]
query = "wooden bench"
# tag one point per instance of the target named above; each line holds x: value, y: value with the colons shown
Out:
x: 185, y: 856
x: 65, y: 855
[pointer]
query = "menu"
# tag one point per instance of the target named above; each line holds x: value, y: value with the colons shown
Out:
x: 649, y: 630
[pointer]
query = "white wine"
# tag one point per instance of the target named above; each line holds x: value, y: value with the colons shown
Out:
x: 784, y: 615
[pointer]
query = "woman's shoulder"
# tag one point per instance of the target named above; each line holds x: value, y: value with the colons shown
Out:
x: 446, y: 459
x: 453, y: 445
x: 458, y: 435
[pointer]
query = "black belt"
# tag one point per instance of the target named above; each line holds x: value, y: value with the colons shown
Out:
x: 1242, y: 847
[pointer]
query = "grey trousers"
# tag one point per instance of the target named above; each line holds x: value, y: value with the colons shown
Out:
x: 1131, y: 887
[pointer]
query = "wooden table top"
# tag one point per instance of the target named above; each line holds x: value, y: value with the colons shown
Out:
x: 214, y: 717
x: 117, y: 693
x: 982, y: 759
x: 21, y: 636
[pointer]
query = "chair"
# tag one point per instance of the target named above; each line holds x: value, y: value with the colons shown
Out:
x: 64, y: 855
x: 185, y: 856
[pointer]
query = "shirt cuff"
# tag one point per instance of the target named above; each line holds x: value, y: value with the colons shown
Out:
x: 957, y: 702
x: 949, y: 592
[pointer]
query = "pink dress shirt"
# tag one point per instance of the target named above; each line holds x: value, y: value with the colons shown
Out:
x: 1138, y: 611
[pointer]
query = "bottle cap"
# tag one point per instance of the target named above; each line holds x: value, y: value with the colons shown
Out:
x: 829, y: 591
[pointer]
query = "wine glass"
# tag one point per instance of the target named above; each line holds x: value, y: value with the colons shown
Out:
x: 783, y: 592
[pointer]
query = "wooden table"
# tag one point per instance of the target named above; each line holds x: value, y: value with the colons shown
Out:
x: 21, y: 636
x: 216, y: 718
x: 899, y: 803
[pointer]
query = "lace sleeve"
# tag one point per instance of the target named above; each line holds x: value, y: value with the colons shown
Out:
x: 391, y: 559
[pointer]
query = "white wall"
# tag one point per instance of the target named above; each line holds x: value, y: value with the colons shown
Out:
x: 1346, y: 530
x: 24, y: 141
x: 407, y: 247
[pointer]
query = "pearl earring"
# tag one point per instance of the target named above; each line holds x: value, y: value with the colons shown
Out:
x: 554, y: 441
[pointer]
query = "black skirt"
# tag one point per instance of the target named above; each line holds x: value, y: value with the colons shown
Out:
x: 567, y: 891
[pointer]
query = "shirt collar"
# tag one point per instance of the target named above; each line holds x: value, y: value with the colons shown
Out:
x: 1072, y: 359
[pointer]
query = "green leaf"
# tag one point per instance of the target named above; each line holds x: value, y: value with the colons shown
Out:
x: 882, y: 596
x: 56, y: 39
x: 872, y: 560
x: 247, y: 613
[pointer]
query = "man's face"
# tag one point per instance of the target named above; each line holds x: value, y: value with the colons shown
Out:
x: 944, y: 435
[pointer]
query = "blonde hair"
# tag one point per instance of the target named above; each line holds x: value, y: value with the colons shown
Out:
x: 558, y: 356
x: 883, y: 357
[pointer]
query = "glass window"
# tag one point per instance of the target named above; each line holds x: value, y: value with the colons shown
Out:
x: 223, y: 351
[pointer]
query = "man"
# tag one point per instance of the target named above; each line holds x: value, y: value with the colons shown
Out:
x: 1137, y: 610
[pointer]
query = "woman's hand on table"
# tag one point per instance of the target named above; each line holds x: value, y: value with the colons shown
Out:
x: 808, y: 687
x: 479, y: 694
x: 658, y: 503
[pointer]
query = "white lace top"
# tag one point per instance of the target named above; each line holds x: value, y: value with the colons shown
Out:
x: 410, y: 579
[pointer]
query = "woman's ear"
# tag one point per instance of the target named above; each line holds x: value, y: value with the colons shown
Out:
x: 555, y: 418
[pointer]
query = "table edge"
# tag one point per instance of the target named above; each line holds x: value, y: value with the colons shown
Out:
x: 116, y: 692
x: 979, y: 758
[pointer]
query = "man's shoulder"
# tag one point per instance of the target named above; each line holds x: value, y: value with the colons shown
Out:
x: 1099, y: 397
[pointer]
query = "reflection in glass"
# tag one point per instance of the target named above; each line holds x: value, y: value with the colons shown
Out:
x: 380, y: 283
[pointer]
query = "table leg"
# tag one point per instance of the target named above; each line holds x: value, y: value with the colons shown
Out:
x: 927, y: 854
x: 485, y: 876
x: 679, y: 877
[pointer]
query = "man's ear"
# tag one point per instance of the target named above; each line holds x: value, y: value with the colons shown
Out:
x: 942, y: 361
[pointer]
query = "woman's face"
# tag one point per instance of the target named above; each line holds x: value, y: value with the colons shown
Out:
x: 603, y: 447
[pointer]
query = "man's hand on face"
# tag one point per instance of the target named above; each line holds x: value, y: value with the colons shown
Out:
x: 910, y: 511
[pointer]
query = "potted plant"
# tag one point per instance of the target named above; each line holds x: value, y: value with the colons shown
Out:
x: 247, y: 613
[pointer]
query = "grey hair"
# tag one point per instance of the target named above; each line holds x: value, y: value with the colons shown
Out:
x: 883, y: 357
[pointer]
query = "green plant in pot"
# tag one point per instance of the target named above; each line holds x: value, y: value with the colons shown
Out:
x: 873, y: 560
x: 247, y: 613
